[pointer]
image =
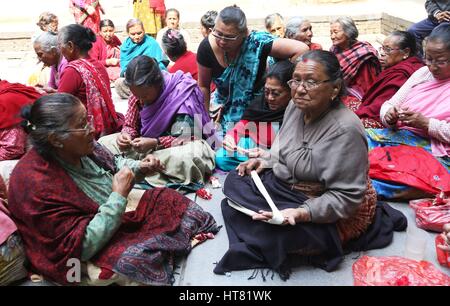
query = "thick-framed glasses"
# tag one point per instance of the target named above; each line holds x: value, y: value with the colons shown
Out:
x: 438, y: 63
x: 224, y: 38
x: 86, y: 129
x: 387, y: 50
x: 274, y: 93
x: 307, y: 84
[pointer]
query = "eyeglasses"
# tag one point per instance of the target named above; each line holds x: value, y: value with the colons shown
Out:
x: 224, y: 38
x: 274, y: 93
x: 307, y: 84
x: 86, y: 129
x: 387, y: 50
x: 440, y: 63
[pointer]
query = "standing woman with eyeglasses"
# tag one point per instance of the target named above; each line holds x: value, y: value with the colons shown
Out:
x: 87, y: 79
x: 235, y: 60
x: 399, y: 61
x: 359, y: 60
x: 418, y: 115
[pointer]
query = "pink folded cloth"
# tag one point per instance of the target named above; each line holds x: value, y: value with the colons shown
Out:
x: 7, y: 226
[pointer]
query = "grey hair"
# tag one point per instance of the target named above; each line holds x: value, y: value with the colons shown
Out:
x: 349, y: 27
x: 270, y: 20
x: 132, y: 22
x: 47, y: 41
x: 235, y: 16
x: 48, y: 115
x: 293, y: 26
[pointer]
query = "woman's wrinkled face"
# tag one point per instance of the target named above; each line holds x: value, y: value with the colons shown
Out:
x: 437, y: 59
x: 81, y: 134
x: 277, y: 96
x: 107, y: 33
x: 304, y: 33
x: 318, y: 98
x: 227, y: 37
x: 146, y: 94
x: 136, y: 33
x: 172, y: 20
x: 49, y: 58
x: 277, y: 29
x: 390, y: 52
x: 338, y: 37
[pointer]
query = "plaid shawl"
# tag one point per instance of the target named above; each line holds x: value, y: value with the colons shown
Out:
x: 98, y: 96
x: 353, y: 58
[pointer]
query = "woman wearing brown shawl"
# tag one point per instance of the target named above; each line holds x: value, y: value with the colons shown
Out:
x: 358, y: 60
x: 399, y: 61
x: 68, y: 198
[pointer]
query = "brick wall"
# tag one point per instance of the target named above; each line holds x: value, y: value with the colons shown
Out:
x: 367, y: 25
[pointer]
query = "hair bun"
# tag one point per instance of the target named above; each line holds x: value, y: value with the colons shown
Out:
x: 90, y: 35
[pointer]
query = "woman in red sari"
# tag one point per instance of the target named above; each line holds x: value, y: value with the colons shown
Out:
x: 87, y: 79
x: 112, y: 46
x: 399, y: 61
x: 87, y: 13
x: 13, y: 97
x: 359, y: 60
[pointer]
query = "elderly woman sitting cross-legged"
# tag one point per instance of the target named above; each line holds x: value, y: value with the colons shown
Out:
x: 166, y: 116
x: 68, y: 197
x: 316, y: 175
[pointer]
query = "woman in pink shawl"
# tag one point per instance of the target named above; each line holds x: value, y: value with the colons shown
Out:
x: 419, y: 113
x: 166, y: 116
x: 112, y: 45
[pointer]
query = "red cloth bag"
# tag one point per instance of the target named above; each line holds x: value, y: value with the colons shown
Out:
x: 396, y: 271
x: 431, y: 214
x: 443, y: 257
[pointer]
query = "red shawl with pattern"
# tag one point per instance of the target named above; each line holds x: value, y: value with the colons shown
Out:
x: 52, y: 214
x: 353, y: 58
x: 99, y: 102
x: 13, y: 96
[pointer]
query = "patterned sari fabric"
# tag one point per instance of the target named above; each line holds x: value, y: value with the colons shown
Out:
x: 52, y: 218
x: 236, y: 86
x: 353, y: 58
x: 82, y: 17
x: 99, y: 101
